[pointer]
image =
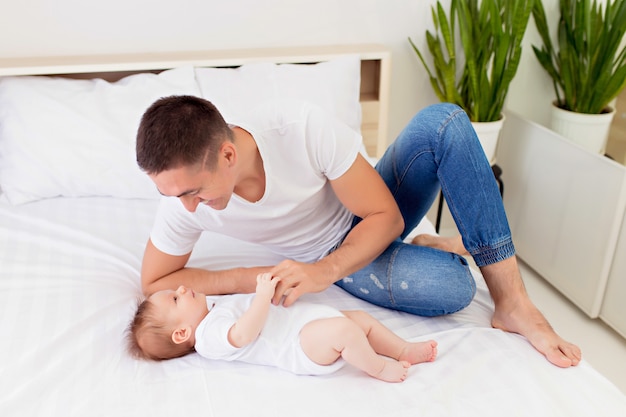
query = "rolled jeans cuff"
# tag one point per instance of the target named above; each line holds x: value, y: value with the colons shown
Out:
x: 489, y: 255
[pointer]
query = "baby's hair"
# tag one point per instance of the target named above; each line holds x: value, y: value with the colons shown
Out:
x: 150, y: 338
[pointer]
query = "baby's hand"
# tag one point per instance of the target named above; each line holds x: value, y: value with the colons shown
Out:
x: 266, y: 284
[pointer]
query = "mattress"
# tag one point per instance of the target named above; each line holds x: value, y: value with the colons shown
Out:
x: 69, y: 282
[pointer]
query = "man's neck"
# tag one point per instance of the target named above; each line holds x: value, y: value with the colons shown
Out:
x: 251, y: 178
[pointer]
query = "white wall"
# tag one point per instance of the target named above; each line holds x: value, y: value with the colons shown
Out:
x: 77, y: 27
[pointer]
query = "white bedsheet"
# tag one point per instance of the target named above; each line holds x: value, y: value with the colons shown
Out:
x: 69, y: 280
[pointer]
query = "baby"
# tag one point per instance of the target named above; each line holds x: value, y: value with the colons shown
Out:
x: 306, y: 338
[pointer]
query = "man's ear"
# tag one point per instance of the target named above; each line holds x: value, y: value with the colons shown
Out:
x: 229, y: 152
x: 181, y: 335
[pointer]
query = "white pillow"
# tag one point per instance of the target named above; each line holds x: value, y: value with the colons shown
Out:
x: 333, y: 85
x: 65, y: 137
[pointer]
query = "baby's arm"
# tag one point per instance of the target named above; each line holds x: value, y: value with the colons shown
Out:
x: 247, y: 328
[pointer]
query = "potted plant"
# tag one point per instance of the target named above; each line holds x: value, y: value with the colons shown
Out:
x: 490, y: 33
x: 587, y: 66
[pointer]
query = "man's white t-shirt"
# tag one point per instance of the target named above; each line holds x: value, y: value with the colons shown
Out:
x: 277, y: 345
x: 299, y: 216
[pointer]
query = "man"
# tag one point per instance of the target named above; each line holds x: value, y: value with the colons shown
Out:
x: 290, y: 178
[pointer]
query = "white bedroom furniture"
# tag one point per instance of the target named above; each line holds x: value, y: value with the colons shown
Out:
x: 613, y: 310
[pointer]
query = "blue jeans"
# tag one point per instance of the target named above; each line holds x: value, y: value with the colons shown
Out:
x: 438, y: 150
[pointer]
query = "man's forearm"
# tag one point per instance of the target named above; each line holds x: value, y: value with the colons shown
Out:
x: 228, y: 281
x: 362, y: 245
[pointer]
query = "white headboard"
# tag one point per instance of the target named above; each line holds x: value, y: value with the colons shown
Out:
x: 375, y: 72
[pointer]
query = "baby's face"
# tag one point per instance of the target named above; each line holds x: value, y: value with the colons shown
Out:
x: 181, y: 307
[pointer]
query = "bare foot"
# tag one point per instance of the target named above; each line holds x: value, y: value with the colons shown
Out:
x: 528, y: 321
x: 515, y: 312
x: 393, y: 371
x: 449, y: 244
x: 419, y: 352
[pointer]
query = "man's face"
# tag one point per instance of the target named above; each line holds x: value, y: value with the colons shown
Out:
x: 196, y: 185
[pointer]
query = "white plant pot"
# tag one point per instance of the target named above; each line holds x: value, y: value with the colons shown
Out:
x: 590, y: 131
x: 488, y: 134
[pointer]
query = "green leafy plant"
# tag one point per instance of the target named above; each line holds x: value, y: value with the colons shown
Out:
x: 589, y: 69
x: 490, y: 33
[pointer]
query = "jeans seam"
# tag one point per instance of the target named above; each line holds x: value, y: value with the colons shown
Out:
x: 400, y: 178
x: 389, y: 272
x: 449, y: 120
x: 443, y: 185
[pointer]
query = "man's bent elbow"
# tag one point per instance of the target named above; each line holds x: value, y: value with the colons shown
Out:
x: 148, y: 285
x: 158, y: 265
x: 399, y: 226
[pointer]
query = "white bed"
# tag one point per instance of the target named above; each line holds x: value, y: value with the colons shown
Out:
x: 74, y: 218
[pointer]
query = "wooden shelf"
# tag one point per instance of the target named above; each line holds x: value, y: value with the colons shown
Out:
x: 163, y: 60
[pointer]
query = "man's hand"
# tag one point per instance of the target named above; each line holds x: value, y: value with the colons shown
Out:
x: 297, y: 278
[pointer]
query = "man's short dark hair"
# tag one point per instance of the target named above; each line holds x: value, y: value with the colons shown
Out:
x: 180, y: 131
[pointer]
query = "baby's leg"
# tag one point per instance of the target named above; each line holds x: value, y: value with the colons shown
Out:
x: 387, y: 343
x: 325, y: 340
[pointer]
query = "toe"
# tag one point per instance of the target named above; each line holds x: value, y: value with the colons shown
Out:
x: 564, y: 355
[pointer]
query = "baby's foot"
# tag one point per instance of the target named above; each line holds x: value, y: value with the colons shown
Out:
x: 419, y: 352
x: 393, y: 371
